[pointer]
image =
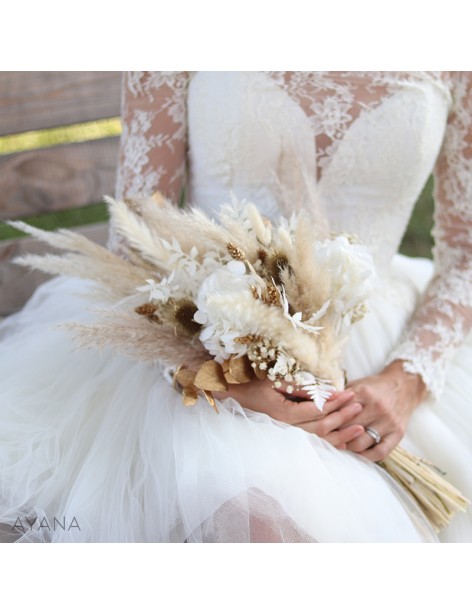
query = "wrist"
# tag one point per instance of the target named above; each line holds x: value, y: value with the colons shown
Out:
x: 413, y: 382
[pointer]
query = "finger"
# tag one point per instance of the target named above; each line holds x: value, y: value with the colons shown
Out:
x: 332, y: 421
x: 299, y: 392
x: 337, y: 401
x: 295, y: 392
x: 293, y: 412
x: 344, y: 436
x: 381, y: 450
x: 362, y: 443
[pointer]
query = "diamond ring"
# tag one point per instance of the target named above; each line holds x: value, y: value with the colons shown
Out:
x: 374, y: 434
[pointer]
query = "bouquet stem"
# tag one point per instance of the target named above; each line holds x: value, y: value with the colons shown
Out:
x: 438, y: 499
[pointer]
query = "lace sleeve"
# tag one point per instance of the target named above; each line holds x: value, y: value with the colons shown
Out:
x: 153, y: 144
x: 444, y: 316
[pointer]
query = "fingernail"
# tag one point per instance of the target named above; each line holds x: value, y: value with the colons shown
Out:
x: 356, y: 407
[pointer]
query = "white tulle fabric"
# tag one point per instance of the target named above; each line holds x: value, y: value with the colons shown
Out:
x: 107, y: 443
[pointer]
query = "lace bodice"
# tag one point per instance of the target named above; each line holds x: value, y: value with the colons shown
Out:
x: 370, y: 140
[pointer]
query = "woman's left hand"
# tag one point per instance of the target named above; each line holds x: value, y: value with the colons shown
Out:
x: 388, y: 400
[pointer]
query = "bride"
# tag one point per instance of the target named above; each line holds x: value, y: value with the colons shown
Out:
x: 95, y: 447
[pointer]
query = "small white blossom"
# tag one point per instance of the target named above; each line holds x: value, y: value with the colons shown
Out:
x: 162, y: 290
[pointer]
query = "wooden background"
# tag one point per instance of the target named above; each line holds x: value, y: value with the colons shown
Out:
x: 56, y: 178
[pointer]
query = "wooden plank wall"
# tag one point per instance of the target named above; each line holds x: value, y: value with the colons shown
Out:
x: 65, y: 176
x: 35, y: 100
x: 56, y: 178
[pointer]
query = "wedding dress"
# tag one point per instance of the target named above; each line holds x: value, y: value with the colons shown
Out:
x: 96, y: 447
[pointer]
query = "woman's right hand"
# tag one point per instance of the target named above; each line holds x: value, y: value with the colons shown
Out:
x: 261, y: 396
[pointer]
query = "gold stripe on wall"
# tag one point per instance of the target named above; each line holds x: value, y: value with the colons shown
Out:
x: 75, y: 133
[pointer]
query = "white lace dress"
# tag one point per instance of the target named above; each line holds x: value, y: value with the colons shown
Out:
x: 105, y: 445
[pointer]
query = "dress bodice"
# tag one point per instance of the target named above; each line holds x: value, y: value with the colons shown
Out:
x: 369, y: 144
x: 367, y: 141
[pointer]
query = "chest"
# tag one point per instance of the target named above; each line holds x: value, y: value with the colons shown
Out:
x: 367, y: 141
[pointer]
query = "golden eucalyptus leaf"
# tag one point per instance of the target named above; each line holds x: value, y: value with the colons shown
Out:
x: 228, y: 377
x: 211, y: 400
x: 211, y: 377
x: 185, y: 377
x: 240, y: 369
x: 190, y: 395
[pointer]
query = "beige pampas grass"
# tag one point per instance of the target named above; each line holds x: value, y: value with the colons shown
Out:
x: 166, y: 221
x: 117, y: 277
x: 137, y: 234
x: 116, y: 280
x: 310, y: 286
x: 137, y: 337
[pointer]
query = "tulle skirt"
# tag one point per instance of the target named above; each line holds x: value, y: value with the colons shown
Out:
x: 95, y: 447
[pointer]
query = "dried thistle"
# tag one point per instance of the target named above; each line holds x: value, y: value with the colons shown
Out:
x: 275, y: 264
x: 262, y: 255
x: 184, y: 310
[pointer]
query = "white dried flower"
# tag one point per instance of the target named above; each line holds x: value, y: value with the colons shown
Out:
x: 223, y: 308
x: 162, y: 290
x: 351, y: 269
x: 296, y: 319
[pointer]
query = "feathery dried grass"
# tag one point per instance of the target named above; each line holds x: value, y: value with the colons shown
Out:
x: 117, y: 279
x: 165, y: 221
x: 137, y: 235
x: 310, y: 286
x: 137, y: 337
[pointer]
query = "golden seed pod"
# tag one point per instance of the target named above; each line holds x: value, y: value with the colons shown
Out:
x: 235, y: 252
x: 146, y: 310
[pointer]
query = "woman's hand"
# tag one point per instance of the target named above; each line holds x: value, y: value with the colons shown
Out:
x: 388, y: 400
x: 261, y: 396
